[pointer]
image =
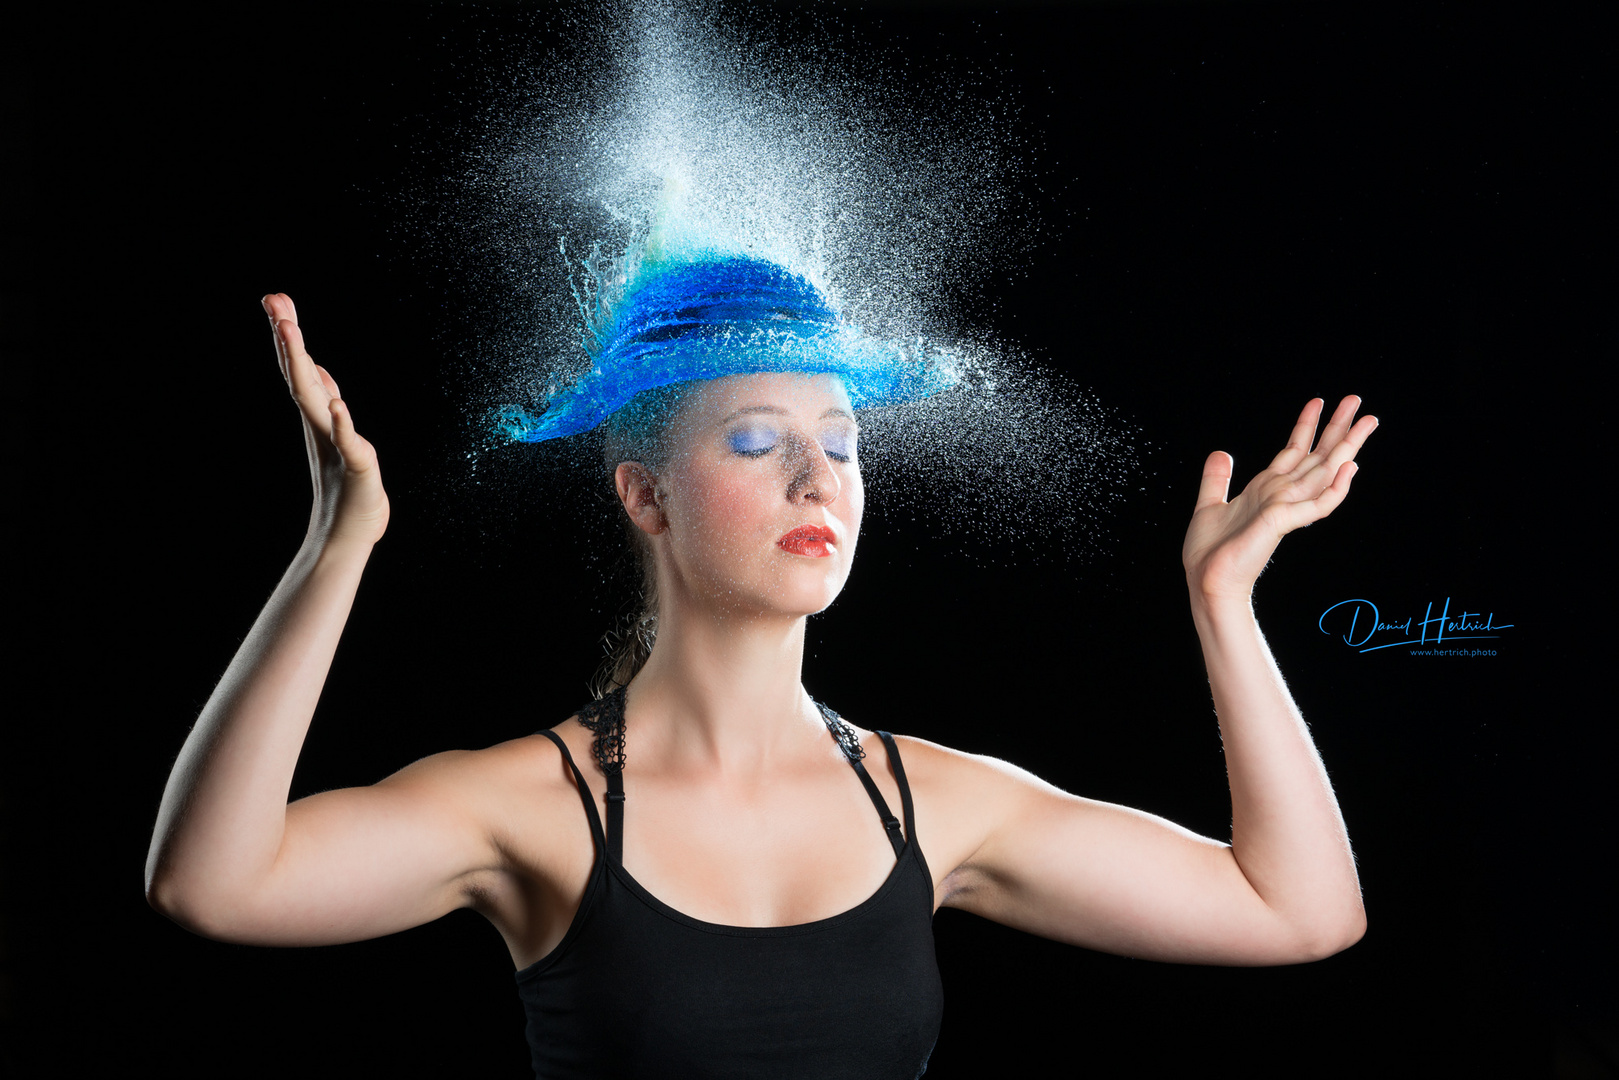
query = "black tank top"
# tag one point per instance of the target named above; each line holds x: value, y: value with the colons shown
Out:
x: 638, y: 989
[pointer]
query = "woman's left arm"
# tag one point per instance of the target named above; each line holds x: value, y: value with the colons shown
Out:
x: 1285, y: 889
x: 1287, y: 834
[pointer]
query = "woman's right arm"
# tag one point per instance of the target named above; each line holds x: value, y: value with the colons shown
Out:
x: 229, y: 858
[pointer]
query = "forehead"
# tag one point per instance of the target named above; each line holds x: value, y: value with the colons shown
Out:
x: 793, y: 394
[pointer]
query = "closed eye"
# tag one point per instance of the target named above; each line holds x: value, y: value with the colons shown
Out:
x: 839, y: 445
x: 752, y: 441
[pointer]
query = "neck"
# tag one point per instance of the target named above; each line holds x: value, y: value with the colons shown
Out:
x: 722, y: 689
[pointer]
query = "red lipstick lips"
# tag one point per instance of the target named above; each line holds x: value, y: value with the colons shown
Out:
x: 811, y: 540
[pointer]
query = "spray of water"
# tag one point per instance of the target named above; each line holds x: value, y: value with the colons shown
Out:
x: 662, y: 129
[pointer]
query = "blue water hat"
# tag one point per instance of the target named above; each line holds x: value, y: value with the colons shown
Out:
x: 731, y: 315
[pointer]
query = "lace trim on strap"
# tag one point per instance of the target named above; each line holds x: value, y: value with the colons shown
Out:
x: 847, y: 740
x: 604, y: 718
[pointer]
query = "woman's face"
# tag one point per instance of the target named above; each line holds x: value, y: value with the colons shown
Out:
x: 758, y: 504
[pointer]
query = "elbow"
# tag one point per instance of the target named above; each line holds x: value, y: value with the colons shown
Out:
x: 191, y: 907
x: 209, y: 896
x: 165, y: 897
x: 1353, y: 930
x: 1331, y: 938
x: 165, y: 892
x: 160, y: 891
x: 169, y: 898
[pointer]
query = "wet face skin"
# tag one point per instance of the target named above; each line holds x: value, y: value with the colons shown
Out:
x: 757, y: 508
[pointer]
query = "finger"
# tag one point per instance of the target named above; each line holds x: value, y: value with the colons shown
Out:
x: 1299, y: 440
x: 1216, y: 480
x: 1309, y: 511
x: 328, y: 382
x: 1342, y: 417
x: 273, y: 308
x: 305, y: 383
x: 1348, y: 446
x: 279, y: 306
x: 300, y: 366
x: 356, y: 452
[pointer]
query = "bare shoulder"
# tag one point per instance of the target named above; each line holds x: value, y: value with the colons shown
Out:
x: 956, y: 775
x: 510, y: 792
x: 530, y: 764
x: 959, y: 764
x: 961, y: 800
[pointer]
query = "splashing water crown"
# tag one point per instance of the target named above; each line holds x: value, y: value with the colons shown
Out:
x: 658, y: 315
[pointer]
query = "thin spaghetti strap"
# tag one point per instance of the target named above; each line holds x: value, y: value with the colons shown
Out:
x: 890, y: 822
x: 853, y: 752
x: 604, y: 718
x: 899, y: 776
x: 585, y: 795
x: 615, y: 816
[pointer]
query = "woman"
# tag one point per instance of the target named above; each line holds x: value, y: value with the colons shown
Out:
x: 688, y: 878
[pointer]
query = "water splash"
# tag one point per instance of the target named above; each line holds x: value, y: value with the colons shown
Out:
x: 691, y: 319
x: 663, y: 131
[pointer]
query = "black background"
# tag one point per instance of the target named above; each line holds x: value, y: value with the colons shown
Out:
x: 1263, y: 203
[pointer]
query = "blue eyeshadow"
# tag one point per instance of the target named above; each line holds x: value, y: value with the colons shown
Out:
x: 838, y: 444
x: 752, y: 440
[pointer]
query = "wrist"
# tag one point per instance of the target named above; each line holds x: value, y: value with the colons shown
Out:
x: 1220, y: 606
x: 334, y: 550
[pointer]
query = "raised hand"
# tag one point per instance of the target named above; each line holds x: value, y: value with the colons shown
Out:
x: 1229, y: 542
x: 350, y: 503
x: 229, y: 857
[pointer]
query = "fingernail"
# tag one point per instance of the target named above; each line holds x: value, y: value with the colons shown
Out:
x: 264, y: 302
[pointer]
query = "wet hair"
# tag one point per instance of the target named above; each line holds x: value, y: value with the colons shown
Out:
x: 637, y: 432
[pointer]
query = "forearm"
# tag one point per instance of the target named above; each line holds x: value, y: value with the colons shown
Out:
x: 1287, y: 832
x: 221, y: 821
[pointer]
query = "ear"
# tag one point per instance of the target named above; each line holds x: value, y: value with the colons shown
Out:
x: 638, y: 491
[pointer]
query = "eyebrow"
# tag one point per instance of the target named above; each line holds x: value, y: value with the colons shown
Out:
x: 777, y: 410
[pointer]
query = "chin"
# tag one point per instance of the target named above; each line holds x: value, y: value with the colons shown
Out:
x: 812, y: 597
x: 802, y: 590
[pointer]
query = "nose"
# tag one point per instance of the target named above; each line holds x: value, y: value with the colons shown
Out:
x: 812, y: 478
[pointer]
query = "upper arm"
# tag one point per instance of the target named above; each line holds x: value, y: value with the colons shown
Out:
x: 357, y: 863
x: 1090, y: 873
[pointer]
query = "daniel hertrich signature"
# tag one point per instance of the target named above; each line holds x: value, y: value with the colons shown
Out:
x: 1364, y: 622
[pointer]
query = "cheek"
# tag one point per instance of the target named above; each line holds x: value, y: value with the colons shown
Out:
x: 738, y: 509
x: 722, y: 504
